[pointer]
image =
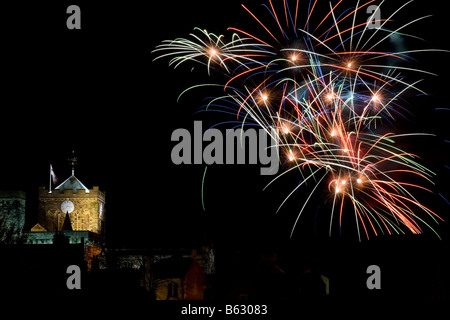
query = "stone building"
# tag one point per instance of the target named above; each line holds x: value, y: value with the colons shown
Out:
x: 12, y: 215
x: 84, y: 207
x: 164, y: 273
x: 179, y: 278
x: 73, y: 210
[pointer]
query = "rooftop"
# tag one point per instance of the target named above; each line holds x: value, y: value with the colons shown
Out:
x: 72, y: 183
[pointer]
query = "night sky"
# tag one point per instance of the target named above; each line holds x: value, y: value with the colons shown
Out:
x: 97, y: 91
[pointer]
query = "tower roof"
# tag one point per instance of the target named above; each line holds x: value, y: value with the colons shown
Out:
x: 72, y: 183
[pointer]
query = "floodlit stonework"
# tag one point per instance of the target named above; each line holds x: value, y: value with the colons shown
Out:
x: 88, y: 213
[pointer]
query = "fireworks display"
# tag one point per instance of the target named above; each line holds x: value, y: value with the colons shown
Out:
x: 332, y: 83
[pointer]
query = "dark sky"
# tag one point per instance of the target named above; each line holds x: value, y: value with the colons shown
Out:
x: 97, y: 90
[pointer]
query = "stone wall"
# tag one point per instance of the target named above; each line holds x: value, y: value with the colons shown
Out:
x: 86, y: 215
x: 12, y: 215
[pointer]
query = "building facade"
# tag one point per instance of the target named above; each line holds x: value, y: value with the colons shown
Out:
x: 85, y: 207
x: 73, y: 211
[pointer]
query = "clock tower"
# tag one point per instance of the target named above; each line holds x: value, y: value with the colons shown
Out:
x: 71, y: 205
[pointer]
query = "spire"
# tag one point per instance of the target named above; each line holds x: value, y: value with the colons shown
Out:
x: 67, y: 225
x: 73, y: 162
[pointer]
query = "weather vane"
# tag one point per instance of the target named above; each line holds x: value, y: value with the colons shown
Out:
x: 73, y: 162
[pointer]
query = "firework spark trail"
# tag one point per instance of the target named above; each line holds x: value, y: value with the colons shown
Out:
x: 326, y: 92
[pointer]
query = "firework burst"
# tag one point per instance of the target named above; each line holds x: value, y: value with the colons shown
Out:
x: 328, y: 84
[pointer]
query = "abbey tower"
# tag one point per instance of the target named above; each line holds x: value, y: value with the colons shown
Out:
x: 71, y: 206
